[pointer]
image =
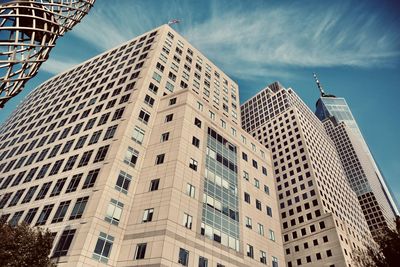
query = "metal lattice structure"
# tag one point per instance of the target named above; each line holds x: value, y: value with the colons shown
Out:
x: 28, y: 31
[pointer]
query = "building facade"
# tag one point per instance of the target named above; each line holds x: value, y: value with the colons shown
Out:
x: 322, y: 222
x: 137, y: 158
x: 361, y: 170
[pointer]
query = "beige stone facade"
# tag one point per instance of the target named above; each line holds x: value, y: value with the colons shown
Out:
x: 137, y: 158
x: 322, y: 222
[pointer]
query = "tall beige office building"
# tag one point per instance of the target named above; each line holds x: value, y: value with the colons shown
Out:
x: 137, y: 158
x: 322, y: 222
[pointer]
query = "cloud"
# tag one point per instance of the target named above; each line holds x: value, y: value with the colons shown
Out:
x: 250, y: 42
x: 109, y: 25
x: 99, y: 30
x: 257, y: 40
x: 55, y: 66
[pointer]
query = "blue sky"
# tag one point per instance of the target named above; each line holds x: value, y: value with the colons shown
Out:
x: 354, y: 46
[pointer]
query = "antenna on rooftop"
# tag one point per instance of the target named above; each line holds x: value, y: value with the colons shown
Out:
x: 174, y: 21
x: 319, y: 85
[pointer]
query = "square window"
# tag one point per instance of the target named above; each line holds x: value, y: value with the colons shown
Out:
x: 123, y: 182
x: 44, y: 215
x: 148, y: 215
x: 193, y: 164
x: 154, y: 184
x: 249, y: 251
x: 160, y: 159
x: 101, y: 154
x: 30, y: 215
x: 197, y: 122
x: 140, y: 252
x: 144, y: 116
x: 212, y: 115
x: 138, y: 135
x: 261, y: 229
x: 258, y: 204
x: 169, y: 117
x: 269, y: 211
x: 58, y: 187
x: 61, y: 211
x: 183, y: 258
x: 91, y: 179
x: 64, y: 243
x: 246, y: 175
x: 255, y: 165
x: 248, y: 222
x: 169, y: 86
x: 187, y: 220
x: 114, y: 212
x: 156, y: 77
x: 263, y: 257
x: 271, y: 235
x: 85, y: 158
x: 41, y: 195
x: 149, y: 100
x: 131, y: 157
x: 190, y: 190
x: 246, y: 197
x: 266, y: 189
x: 109, y: 133
x: 195, y: 142
x: 164, y: 137
x: 199, y: 106
x: 73, y: 184
x: 79, y: 208
x: 172, y: 101
x: 308, y: 259
x: 203, y: 262
x: 103, y: 247
x: 153, y: 88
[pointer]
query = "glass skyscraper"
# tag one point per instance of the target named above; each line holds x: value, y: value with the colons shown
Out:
x: 363, y: 173
x: 337, y: 106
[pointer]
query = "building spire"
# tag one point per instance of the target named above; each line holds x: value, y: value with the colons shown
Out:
x: 319, y: 85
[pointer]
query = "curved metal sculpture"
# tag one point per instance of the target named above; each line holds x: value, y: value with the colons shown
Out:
x: 28, y: 31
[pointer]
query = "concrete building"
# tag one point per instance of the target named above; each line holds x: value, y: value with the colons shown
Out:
x: 322, y: 222
x: 361, y: 170
x: 137, y: 158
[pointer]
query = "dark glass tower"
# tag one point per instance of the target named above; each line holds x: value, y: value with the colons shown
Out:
x: 363, y: 172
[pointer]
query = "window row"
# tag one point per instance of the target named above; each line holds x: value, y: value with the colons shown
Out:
x: 58, y: 187
x: 44, y: 214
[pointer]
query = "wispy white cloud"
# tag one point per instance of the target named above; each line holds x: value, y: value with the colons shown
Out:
x: 100, y: 30
x: 57, y: 65
x: 108, y: 25
x: 291, y: 36
x: 250, y: 42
